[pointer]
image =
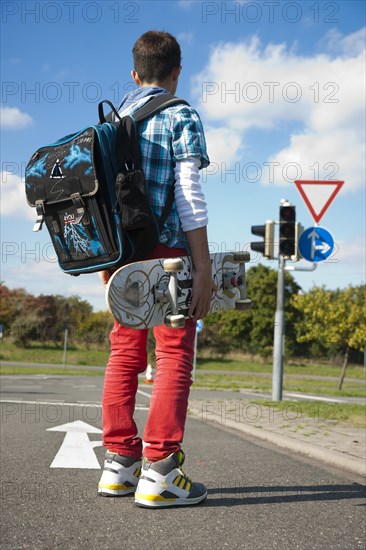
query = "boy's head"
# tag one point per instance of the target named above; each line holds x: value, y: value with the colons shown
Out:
x: 156, y: 57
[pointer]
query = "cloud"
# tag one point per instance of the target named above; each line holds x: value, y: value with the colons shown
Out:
x: 318, y: 100
x: 350, y: 45
x: 13, y: 201
x: 353, y: 253
x: 186, y: 38
x: 41, y: 274
x: 186, y: 4
x: 13, y: 118
x: 223, y: 144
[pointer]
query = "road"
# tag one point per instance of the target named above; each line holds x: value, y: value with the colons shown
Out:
x: 259, y: 497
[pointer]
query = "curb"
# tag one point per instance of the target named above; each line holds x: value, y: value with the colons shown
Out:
x: 334, y: 458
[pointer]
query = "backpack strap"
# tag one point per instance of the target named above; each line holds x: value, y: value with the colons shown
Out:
x: 130, y: 155
x: 166, y: 210
x: 150, y: 108
x: 155, y: 104
x: 109, y: 116
x: 127, y: 129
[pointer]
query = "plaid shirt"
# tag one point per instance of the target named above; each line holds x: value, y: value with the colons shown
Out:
x: 174, y: 134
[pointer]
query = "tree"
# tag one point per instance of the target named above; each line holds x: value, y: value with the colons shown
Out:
x: 252, y: 330
x: 26, y: 328
x: 333, y: 318
x: 8, y: 307
x: 12, y: 303
x: 40, y: 318
x: 95, y: 328
x: 226, y: 330
x: 262, y: 290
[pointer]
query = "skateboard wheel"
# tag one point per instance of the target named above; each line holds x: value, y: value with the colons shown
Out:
x: 241, y: 257
x: 243, y: 305
x: 175, y: 321
x: 173, y: 265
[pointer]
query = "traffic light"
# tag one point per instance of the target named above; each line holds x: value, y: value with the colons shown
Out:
x: 299, y: 229
x: 265, y: 247
x: 287, y: 240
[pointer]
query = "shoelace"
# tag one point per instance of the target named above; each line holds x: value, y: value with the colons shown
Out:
x: 186, y: 477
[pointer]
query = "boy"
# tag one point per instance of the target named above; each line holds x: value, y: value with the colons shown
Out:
x: 173, y: 151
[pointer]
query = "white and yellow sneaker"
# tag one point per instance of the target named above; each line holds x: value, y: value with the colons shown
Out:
x: 120, y: 475
x: 163, y: 483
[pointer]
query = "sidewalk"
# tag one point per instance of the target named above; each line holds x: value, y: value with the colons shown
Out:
x: 325, y: 439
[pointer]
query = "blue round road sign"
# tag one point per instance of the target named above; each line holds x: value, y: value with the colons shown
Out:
x: 316, y: 244
x: 199, y: 325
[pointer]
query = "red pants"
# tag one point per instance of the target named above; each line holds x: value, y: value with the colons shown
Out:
x: 169, y: 401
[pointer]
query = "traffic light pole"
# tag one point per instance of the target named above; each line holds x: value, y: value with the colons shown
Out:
x: 279, y: 332
x: 66, y: 332
x: 289, y: 232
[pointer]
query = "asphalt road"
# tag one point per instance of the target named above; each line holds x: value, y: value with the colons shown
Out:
x: 259, y: 497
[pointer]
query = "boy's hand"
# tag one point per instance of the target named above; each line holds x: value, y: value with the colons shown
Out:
x: 203, y: 287
x: 104, y: 276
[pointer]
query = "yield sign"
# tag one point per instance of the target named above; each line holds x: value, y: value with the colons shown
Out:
x: 318, y: 195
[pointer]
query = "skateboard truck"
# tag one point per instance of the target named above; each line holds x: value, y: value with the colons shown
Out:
x: 233, y: 279
x: 168, y: 293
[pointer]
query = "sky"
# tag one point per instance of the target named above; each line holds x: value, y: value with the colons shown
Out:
x: 279, y: 86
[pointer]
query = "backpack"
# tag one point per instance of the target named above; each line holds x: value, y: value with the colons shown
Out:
x: 89, y: 190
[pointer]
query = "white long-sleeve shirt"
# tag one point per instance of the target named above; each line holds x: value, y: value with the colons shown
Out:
x: 189, y: 198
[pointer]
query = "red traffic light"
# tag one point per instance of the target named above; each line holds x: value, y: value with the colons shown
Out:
x: 287, y: 230
x: 287, y: 213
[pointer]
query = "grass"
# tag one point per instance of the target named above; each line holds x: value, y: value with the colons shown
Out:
x: 98, y: 357
x: 350, y: 414
x: 347, y: 413
x: 54, y: 355
x: 307, y: 370
x: 221, y: 381
x: 307, y: 417
x: 24, y: 371
x: 212, y: 382
x: 236, y: 383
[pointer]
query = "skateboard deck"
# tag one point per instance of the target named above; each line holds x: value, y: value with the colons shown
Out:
x: 155, y: 292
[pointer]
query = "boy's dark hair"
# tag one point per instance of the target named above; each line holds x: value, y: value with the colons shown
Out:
x: 155, y: 55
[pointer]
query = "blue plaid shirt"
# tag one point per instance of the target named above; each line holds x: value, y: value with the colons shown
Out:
x: 174, y: 134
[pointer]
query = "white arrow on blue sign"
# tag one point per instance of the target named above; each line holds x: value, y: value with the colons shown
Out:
x: 316, y: 244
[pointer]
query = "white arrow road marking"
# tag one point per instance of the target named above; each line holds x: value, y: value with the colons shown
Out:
x: 76, y: 450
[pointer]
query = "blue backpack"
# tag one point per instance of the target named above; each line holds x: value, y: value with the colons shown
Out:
x: 89, y: 190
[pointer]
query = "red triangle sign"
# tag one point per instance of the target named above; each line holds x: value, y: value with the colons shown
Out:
x: 318, y: 195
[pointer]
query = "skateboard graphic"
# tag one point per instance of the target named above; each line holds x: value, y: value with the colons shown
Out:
x: 155, y: 292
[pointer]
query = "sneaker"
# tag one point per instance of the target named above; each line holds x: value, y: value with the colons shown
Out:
x: 163, y: 483
x: 120, y: 475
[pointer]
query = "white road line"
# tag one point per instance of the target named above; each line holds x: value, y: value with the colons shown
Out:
x: 98, y: 405
x: 144, y: 393
x: 64, y: 404
x: 315, y: 397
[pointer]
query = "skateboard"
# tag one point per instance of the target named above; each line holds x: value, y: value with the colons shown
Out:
x: 155, y: 292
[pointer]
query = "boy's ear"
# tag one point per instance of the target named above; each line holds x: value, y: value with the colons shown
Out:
x: 135, y: 77
x: 176, y: 72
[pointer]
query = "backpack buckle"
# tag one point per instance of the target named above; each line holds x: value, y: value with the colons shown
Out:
x: 79, y: 204
x: 40, y: 219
